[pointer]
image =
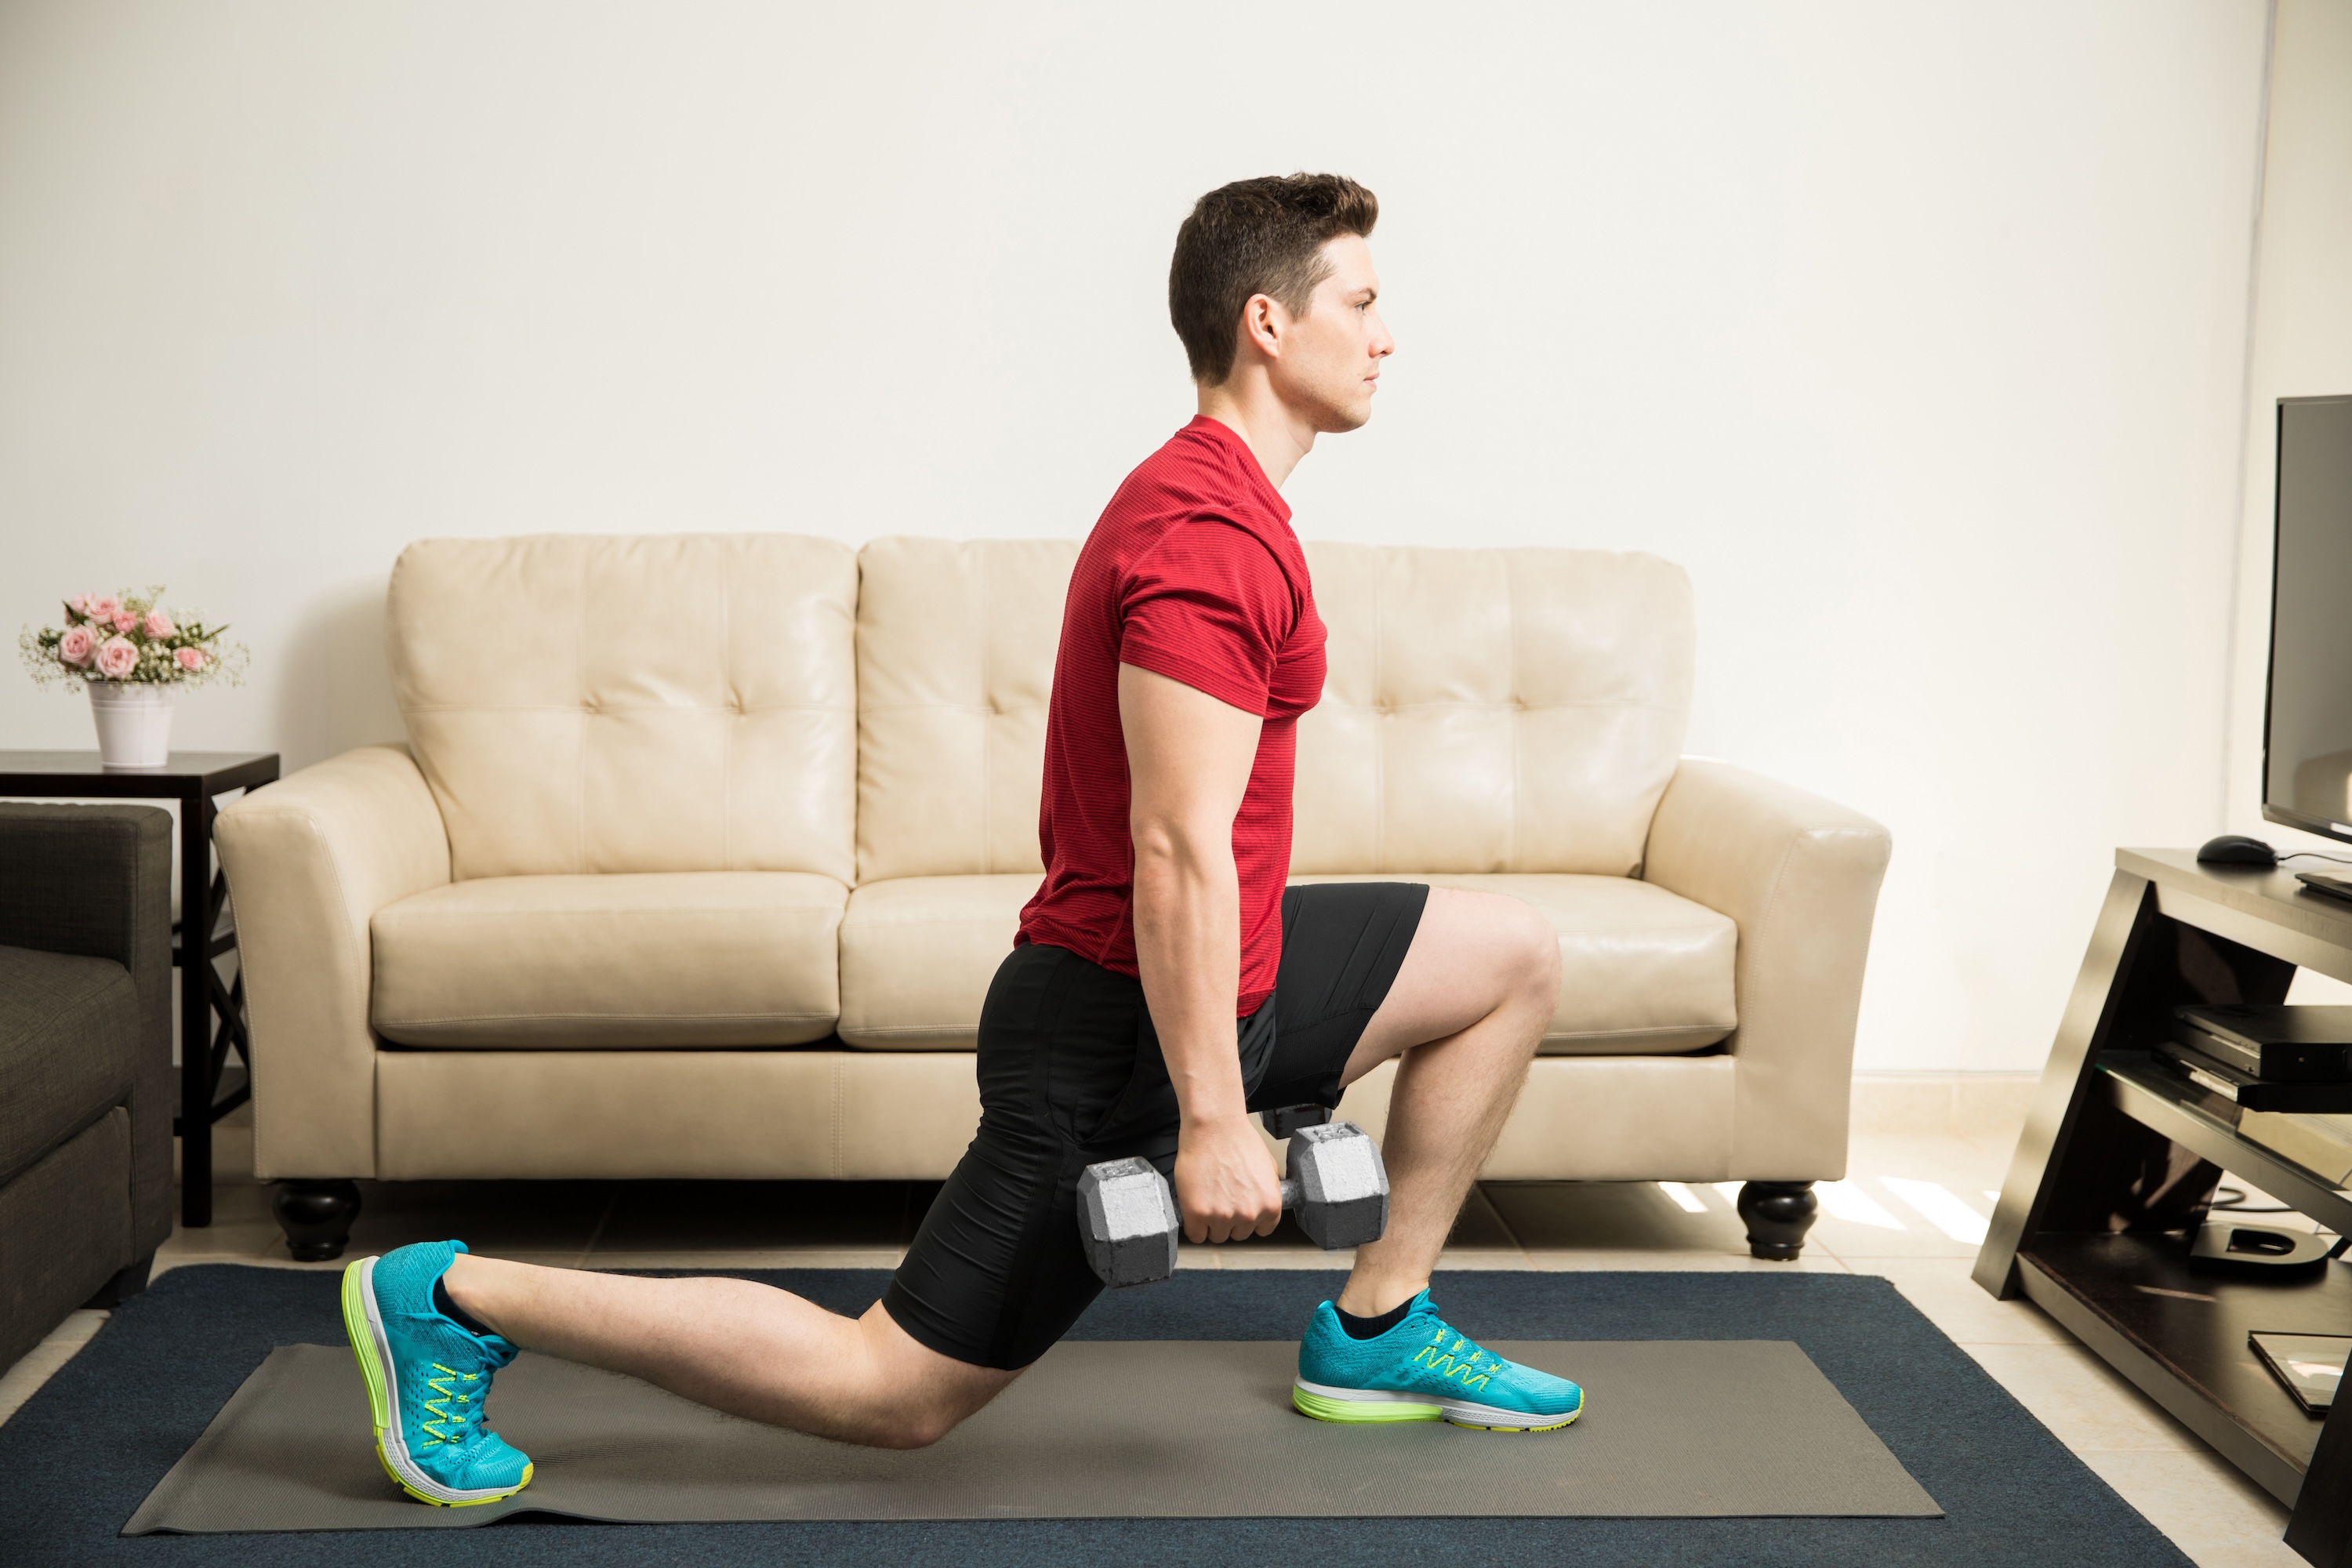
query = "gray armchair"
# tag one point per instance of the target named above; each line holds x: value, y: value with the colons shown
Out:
x: 86, y: 1080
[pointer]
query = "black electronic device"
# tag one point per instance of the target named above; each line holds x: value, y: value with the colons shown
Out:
x: 2235, y: 850
x: 2327, y: 884
x: 2307, y: 718
x: 2283, y: 1042
x: 2248, y: 1092
x: 2311, y: 1365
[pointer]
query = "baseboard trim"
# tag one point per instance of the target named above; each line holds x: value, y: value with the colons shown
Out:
x: 1942, y: 1104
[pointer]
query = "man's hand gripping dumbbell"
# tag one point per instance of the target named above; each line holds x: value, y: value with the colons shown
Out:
x: 1338, y: 1189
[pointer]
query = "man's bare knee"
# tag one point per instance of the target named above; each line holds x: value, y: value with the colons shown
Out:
x: 912, y: 1429
x: 906, y: 1418
x: 911, y: 1396
x: 1535, y: 948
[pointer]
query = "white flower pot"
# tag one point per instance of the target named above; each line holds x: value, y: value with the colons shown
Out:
x: 134, y: 723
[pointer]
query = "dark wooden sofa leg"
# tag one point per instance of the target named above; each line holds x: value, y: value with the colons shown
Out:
x: 317, y: 1217
x: 127, y: 1282
x: 1779, y: 1214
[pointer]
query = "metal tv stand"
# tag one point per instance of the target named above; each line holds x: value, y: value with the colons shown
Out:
x: 2116, y: 1162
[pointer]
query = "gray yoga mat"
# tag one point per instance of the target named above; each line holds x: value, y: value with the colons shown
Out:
x: 1101, y: 1429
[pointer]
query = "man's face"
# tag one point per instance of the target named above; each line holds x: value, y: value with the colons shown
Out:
x: 1330, y: 359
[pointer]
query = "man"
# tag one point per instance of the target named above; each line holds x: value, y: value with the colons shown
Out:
x: 1164, y: 985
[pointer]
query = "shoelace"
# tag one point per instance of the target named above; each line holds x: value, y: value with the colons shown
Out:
x: 446, y: 1424
x: 1447, y: 1345
x: 453, y: 1416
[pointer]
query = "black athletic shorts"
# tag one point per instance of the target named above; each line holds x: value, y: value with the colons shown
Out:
x: 1070, y: 1073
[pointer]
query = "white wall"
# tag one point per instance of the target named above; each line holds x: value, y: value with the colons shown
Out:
x: 1916, y: 332
x: 2300, y: 347
x: 2301, y: 343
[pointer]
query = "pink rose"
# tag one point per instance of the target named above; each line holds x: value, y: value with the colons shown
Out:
x: 159, y: 624
x: 75, y: 646
x: 116, y: 659
x: 79, y: 605
x: 102, y: 607
x: 191, y: 659
x: 125, y: 621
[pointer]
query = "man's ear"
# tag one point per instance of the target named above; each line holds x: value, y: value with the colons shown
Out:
x: 1263, y: 322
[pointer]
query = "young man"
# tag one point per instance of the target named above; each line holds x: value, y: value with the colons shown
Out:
x: 1164, y: 986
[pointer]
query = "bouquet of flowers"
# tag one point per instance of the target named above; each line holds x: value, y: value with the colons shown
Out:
x: 130, y: 638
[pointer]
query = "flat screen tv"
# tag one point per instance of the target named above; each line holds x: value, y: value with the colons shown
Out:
x: 2307, y: 729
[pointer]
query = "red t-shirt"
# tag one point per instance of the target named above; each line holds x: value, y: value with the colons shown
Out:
x: 1192, y: 573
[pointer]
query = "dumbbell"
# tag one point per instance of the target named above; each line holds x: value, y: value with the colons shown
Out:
x: 1337, y: 1188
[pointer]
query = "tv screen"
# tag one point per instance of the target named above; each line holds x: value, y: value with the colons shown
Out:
x: 2307, y: 742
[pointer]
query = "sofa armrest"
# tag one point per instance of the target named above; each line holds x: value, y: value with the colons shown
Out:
x: 1801, y: 875
x: 310, y: 860
x: 96, y: 881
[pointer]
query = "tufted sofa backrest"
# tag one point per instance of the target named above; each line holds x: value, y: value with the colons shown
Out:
x: 955, y: 663
x: 1486, y: 709
x: 674, y: 702
x: 1491, y: 710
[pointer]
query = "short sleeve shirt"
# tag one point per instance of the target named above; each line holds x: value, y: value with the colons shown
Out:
x: 1192, y: 573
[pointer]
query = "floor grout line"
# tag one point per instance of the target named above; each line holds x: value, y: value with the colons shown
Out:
x: 1502, y: 1219
x: 588, y: 1250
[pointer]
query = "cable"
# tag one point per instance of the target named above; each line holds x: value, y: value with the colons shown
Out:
x: 2315, y: 855
x: 2237, y: 1203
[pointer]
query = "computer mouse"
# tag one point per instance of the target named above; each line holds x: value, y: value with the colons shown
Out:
x: 2235, y: 850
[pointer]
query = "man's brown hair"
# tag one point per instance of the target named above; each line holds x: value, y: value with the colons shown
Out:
x: 1256, y: 237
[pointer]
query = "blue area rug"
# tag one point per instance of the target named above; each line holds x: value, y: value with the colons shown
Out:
x: 79, y: 1457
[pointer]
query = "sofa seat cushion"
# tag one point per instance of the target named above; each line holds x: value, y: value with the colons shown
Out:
x: 70, y: 1037
x: 1669, y: 1119
x: 1643, y: 971
x: 812, y: 1115
x: 917, y: 955
x: 661, y: 960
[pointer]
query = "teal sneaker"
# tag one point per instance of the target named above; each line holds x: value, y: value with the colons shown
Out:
x: 427, y: 1380
x: 1423, y: 1370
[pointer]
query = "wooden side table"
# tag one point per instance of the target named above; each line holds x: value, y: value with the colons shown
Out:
x: 212, y: 1011
x: 2119, y: 1158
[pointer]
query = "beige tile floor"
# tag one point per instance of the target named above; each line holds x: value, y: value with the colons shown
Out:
x: 1919, y: 1156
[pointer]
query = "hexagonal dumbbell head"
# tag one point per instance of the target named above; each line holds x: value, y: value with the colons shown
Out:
x: 1343, y: 1188
x: 1126, y: 1217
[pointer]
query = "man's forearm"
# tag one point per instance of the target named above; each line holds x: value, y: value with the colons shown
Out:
x: 1188, y: 946
x: 1188, y: 756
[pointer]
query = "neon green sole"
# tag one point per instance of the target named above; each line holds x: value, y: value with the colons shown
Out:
x: 1360, y: 1410
x: 1324, y: 1409
x: 355, y: 1326
x: 470, y: 1502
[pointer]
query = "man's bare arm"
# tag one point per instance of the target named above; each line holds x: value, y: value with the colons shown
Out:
x: 1188, y: 761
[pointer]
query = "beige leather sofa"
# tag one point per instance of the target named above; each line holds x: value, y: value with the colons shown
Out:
x: 703, y: 850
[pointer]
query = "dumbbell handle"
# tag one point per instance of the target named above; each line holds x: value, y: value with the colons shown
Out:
x: 1293, y: 1195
